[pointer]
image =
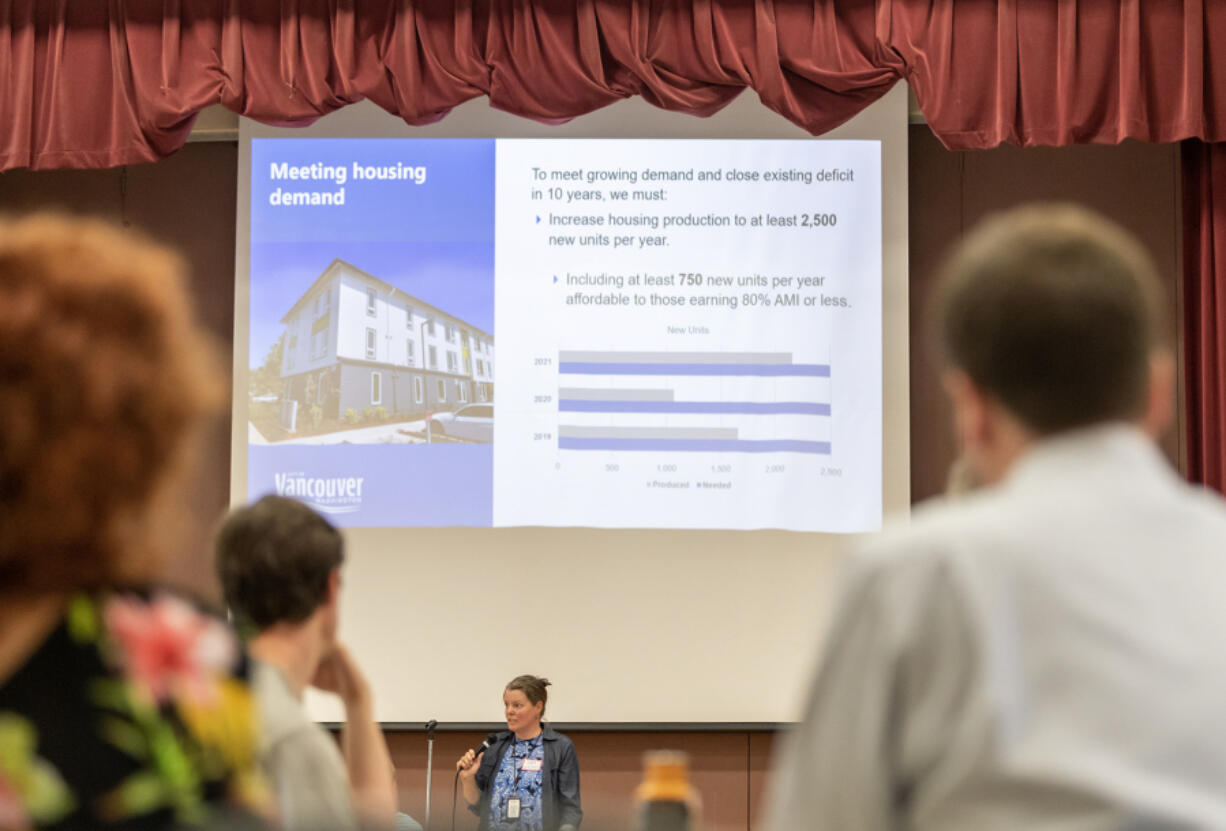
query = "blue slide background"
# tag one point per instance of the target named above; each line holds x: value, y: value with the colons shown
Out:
x: 435, y: 241
x: 403, y: 485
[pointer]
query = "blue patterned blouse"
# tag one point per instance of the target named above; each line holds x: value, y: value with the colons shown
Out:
x: 526, y: 786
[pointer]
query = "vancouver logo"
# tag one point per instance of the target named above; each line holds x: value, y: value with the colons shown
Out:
x: 326, y: 494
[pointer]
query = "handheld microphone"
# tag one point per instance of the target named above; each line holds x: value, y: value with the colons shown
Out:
x: 488, y: 743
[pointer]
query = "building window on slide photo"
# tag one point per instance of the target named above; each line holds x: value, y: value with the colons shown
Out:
x: 442, y: 390
x: 370, y: 343
x: 419, y: 389
x: 372, y: 297
x: 409, y: 356
x: 452, y: 363
x: 376, y: 388
x: 461, y: 394
x: 434, y: 357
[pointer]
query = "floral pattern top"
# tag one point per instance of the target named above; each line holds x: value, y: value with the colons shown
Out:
x: 526, y: 786
x: 134, y: 713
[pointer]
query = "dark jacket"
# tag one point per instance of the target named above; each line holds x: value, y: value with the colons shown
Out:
x: 560, y: 807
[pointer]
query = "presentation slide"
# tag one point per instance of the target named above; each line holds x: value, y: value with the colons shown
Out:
x: 611, y: 333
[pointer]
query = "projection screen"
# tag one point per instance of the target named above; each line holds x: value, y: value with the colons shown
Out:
x: 694, y: 335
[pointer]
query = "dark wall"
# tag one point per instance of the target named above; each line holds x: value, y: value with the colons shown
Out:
x: 1135, y: 184
x: 188, y: 200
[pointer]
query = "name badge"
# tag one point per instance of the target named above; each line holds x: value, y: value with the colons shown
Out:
x: 531, y: 764
x: 513, y: 808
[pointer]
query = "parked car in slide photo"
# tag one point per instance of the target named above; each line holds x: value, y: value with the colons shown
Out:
x: 474, y: 422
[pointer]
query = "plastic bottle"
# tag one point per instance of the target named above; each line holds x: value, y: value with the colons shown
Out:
x: 666, y: 799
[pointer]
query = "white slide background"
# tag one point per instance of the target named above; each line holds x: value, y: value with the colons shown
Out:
x: 535, y: 483
x: 633, y: 626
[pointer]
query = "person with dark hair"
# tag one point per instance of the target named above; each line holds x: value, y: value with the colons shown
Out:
x: 1044, y: 652
x: 279, y: 566
x: 529, y: 778
x: 122, y: 704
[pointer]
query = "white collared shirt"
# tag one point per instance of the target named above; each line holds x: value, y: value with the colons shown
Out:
x: 1047, y: 654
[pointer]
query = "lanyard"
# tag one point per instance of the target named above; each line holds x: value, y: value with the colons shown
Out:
x: 532, y: 745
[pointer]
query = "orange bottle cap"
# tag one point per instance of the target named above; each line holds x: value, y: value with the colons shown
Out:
x: 666, y: 777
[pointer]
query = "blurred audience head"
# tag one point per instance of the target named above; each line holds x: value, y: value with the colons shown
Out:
x: 1050, y: 319
x: 279, y: 563
x: 104, y: 379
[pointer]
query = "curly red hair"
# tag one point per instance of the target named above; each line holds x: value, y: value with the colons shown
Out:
x: 104, y: 374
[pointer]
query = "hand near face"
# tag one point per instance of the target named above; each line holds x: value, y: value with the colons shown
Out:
x: 339, y: 674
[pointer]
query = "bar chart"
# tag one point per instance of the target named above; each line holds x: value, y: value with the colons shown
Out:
x: 669, y: 385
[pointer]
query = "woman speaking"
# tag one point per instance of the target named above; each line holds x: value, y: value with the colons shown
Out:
x: 528, y: 779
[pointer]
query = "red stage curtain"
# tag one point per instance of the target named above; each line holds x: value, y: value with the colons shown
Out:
x: 108, y: 83
x: 1057, y: 72
x: 1204, y: 310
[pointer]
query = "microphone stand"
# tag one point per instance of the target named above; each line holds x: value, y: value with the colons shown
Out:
x: 431, y: 726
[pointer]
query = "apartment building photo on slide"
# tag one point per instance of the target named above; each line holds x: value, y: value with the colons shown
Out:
x: 354, y: 341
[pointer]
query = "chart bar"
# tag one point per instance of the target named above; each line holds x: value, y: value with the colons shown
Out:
x: 604, y: 394
x: 567, y: 405
x: 699, y: 445
x: 589, y: 357
x: 644, y: 368
x: 587, y: 432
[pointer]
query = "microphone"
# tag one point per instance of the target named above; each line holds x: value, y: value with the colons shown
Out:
x: 488, y: 743
x: 431, y: 726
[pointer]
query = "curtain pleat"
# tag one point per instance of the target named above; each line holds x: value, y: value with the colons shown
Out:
x: 1204, y: 311
x: 1057, y: 72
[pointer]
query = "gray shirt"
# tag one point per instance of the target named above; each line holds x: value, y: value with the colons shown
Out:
x: 1048, y: 654
x: 301, y: 761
